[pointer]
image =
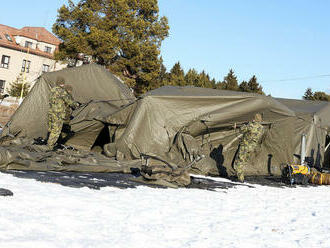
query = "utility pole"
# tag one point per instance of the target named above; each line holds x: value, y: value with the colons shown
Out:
x: 24, y: 78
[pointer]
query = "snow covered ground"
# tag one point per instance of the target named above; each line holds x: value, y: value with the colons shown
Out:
x: 50, y: 215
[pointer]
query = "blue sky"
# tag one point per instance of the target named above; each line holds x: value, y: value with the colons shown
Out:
x: 272, y: 39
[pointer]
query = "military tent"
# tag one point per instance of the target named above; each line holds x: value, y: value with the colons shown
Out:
x: 174, y: 125
x: 99, y: 91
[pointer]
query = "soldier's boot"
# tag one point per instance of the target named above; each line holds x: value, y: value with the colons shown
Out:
x: 51, y: 144
x: 50, y: 147
x: 240, y: 176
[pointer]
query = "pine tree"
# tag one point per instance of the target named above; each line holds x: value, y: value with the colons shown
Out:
x: 308, y: 94
x: 16, y: 87
x: 192, y: 77
x: 243, y: 86
x: 124, y: 35
x: 213, y: 83
x: 163, y: 75
x: 204, y: 80
x: 219, y: 85
x: 230, y: 81
x: 254, y: 86
x: 176, y: 75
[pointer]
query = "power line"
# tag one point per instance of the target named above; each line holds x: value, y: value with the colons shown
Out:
x: 297, y: 78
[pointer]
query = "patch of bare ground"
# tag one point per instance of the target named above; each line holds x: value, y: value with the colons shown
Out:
x: 6, y: 112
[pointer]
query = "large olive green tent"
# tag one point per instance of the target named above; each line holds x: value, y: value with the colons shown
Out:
x: 100, y: 92
x: 174, y: 125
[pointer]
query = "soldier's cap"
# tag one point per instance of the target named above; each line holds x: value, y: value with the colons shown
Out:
x: 258, y: 117
x: 60, y: 81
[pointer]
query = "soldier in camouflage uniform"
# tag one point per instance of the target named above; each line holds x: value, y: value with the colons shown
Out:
x: 60, y: 104
x: 252, y: 133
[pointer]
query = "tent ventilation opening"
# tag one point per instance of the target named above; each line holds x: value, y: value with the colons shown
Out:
x: 102, y: 139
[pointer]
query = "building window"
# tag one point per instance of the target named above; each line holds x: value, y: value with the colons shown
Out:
x: 2, y: 85
x: 45, y: 68
x: 26, y: 66
x: 5, y: 61
x: 8, y: 37
x: 28, y: 44
x: 48, y: 49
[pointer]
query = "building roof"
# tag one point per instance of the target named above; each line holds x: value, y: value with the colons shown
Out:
x: 39, y: 34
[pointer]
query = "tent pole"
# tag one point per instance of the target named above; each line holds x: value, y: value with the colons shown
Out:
x: 303, y: 149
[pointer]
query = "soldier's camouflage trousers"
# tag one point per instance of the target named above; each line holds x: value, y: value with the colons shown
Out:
x: 55, y: 125
x: 243, y: 158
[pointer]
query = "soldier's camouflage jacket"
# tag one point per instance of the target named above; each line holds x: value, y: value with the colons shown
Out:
x: 60, y: 102
x: 252, y: 132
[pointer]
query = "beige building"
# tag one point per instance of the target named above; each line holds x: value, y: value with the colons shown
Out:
x: 25, y: 54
